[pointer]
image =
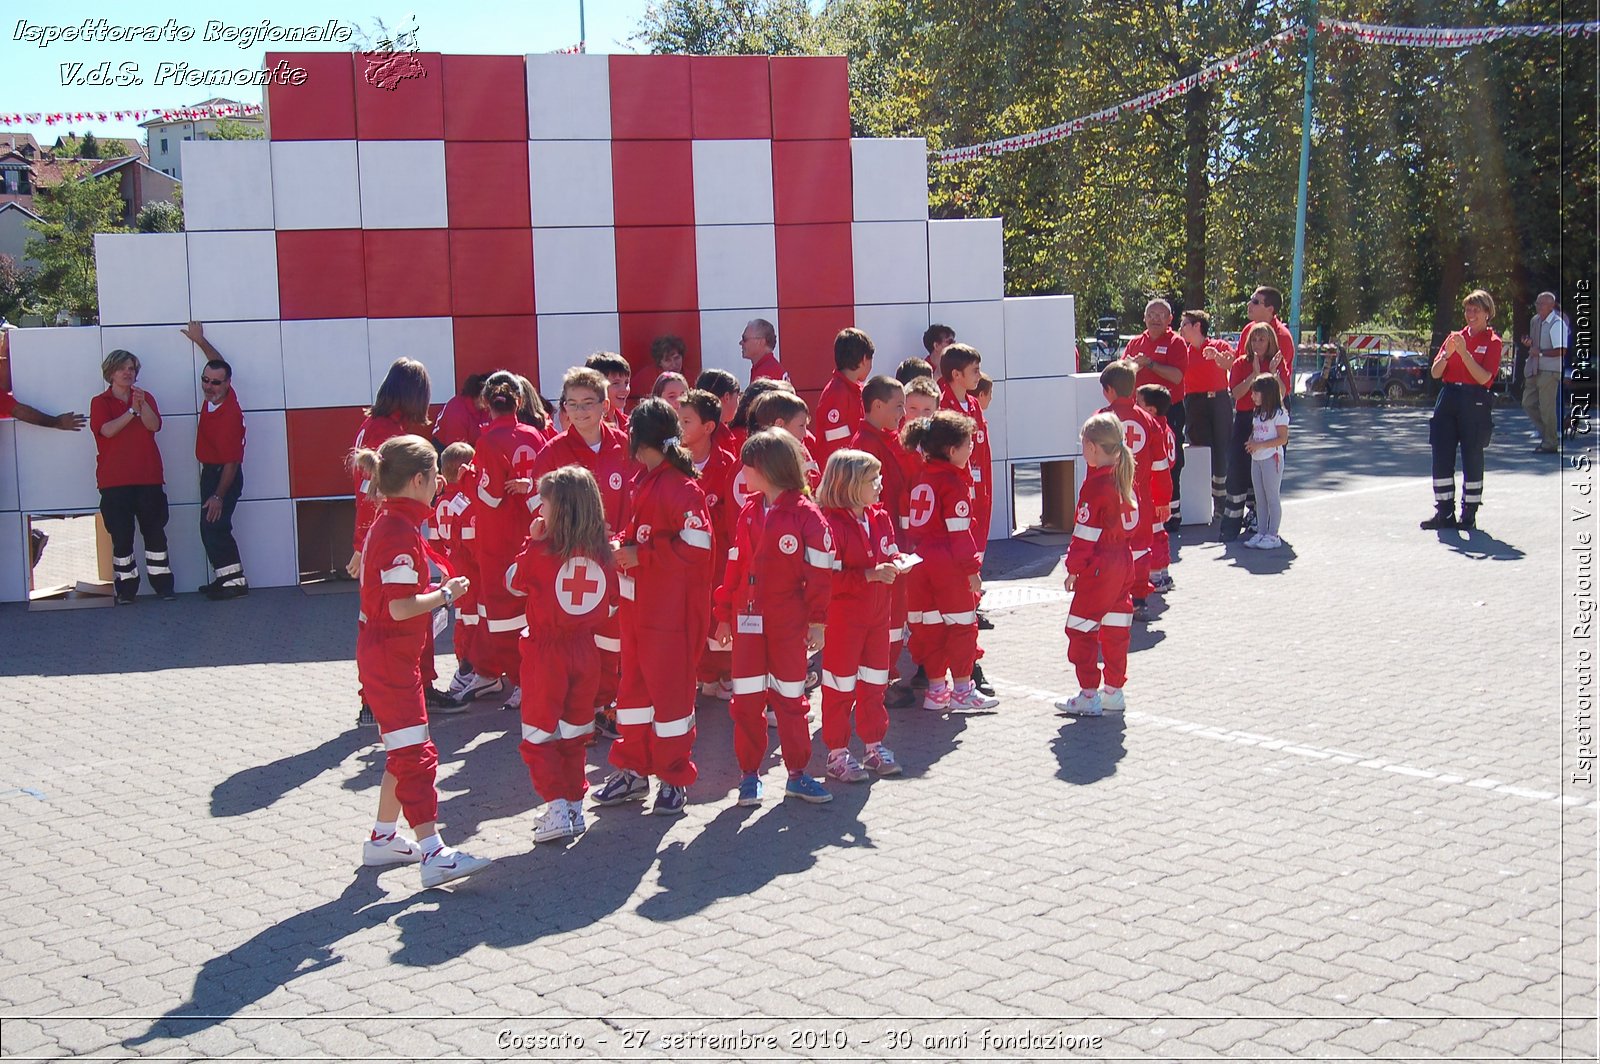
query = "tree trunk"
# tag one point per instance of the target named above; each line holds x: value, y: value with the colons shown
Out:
x: 1196, y: 194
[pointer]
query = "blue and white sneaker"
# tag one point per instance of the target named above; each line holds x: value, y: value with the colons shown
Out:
x: 751, y: 790
x: 670, y: 800
x: 807, y: 790
x: 445, y: 865
x: 622, y: 786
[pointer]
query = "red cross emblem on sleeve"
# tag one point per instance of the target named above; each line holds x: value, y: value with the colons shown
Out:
x: 921, y: 505
x: 580, y: 585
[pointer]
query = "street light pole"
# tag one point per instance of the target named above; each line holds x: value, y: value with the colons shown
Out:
x: 583, y: 34
x: 1305, y: 177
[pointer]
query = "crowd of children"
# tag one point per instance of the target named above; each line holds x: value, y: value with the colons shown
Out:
x: 612, y: 558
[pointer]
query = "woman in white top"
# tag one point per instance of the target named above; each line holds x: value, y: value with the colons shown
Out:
x: 1269, y: 431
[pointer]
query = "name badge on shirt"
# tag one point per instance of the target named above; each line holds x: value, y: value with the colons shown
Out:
x: 441, y: 621
x: 748, y: 625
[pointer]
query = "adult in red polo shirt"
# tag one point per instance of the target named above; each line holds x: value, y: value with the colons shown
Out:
x: 127, y: 469
x: 758, y: 345
x: 1163, y: 359
x: 1265, y: 303
x: 1463, y: 416
x: 219, y: 448
x: 839, y: 409
x: 1208, y: 406
x: 464, y: 416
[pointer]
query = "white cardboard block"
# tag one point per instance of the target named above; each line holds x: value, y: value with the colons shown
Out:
x: 314, y: 185
x: 1041, y: 338
x: 227, y: 184
x: 569, y: 182
x: 184, y: 549
x: 719, y: 338
x: 14, y: 558
x: 266, y: 455
x: 966, y: 259
x: 56, y: 370
x: 575, y: 270
x: 732, y: 182
x: 891, y: 179
x: 233, y: 276
x: 325, y: 363
x: 981, y: 325
x: 55, y: 470
x: 999, y: 428
x: 1087, y: 397
x: 430, y: 341
x: 143, y: 278
x: 569, y: 97
x: 402, y: 184
x: 896, y: 330
x: 9, y: 499
x: 179, y: 467
x: 1001, y: 524
x: 1038, y: 419
x: 1195, y: 482
x: 267, y: 542
x: 891, y: 261
x: 737, y: 265
x: 166, y: 365
x: 565, y: 340
x: 255, y: 351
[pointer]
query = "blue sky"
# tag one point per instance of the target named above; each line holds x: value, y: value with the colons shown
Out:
x: 30, y: 76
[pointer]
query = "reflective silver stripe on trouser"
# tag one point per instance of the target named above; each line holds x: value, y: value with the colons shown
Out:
x: 230, y: 570
x: 969, y: 617
x: 1117, y: 620
x: 672, y: 729
x: 787, y: 688
x: 1444, y: 489
x: 1234, y: 506
x: 873, y: 676
x: 1471, y: 492
x: 124, y: 568
x: 1081, y: 624
x: 401, y: 738
x: 1219, y: 487
x: 841, y: 684
x: 750, y: 685
x: 636, y: 714
x: 155, y: 562
x: 530, y: 734
x: 930, y: 617
x: 505, y: 624
x: 609, y: 643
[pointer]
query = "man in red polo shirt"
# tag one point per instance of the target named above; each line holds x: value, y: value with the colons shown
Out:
x: 1163, y: 358
x: 1265, y: 303
x: 219, y: 448
x: 9, y: 407
x: 758, y: 345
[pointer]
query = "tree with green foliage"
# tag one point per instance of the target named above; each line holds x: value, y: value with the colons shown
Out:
x: 16, y: 286
x: 159, y: 217
x: 233, y: 129
x: 70, y: 214
x: 89, y: 147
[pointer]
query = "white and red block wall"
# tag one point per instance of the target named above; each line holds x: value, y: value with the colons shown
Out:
x: 520, y: 212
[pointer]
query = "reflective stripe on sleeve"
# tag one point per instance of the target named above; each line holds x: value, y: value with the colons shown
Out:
x: 505, y: 624
x: 820, y: 559
x: 609, y: 643
x: 400, y: 574
x: 489, y: 500
x: 1088, y: 532
x: 957, y: 524
x: 696, y: 537
x: 836, y: 434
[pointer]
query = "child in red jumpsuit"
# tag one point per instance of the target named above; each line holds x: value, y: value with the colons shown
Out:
x: 665, y: 560
x: 943, y: 594
x: 884, y: 402
x: 1155, y: 400
x: 772, y: 607
x: 566, y: 574
x: 698, y: 418
x: 1100, y: 569
x: 452, y: 529
x: 855, y: 658
x: 396, y: 605
x: 1145, y: 439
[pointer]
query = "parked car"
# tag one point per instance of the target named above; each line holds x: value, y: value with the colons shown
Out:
x: 1096, y: 354
x: 1392, y: 374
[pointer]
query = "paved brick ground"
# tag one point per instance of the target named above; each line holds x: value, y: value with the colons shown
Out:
x: 1330, y: 825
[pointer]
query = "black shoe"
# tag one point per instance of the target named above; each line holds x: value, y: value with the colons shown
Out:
x: 365, y: 719
x: 984, y: 623
x: 1442, y: 518
x: 899, y: 696
x: 980, y: 681
x: 605, y: 724
x: 224, y: 592
x: 206, y: 589
x: 127, y: 599
x: 1542, y: 449
x: 169, y: 595
x: 435, y: 697
x: 1142, y: 611
x: 1469, y: 518
x: 1174, y: 526
x: 921, y: 678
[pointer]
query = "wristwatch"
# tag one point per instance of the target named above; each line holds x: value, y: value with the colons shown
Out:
x: 449, y: 596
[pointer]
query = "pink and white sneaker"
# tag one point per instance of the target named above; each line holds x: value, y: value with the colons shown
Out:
x: 971, y: 700
x: 938, y: 697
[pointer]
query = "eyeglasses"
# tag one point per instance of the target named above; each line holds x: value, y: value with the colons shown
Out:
x: 581, y: 408
x: 1254, y: 302
x: 208, y: 382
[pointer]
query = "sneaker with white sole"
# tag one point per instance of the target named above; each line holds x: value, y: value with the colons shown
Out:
x: 937, y: 698
x: 575, y: 818
x: 1082, y: 704
x: 807, y: 789
x: 445, y: 865
x: 971, y: 700
x: 670, y: 800
x: 1255, y: 540
x: 751, y: 790
x: 621, y: 786
x: 555, y: 823
x: 881, y: 760
x: 460, y: 682
x: 396, y: 849
x: 1112, y: 700
x: 482, y: 687
x: 845, y: 768
x: 1273, y: 542
x: 514, y: 703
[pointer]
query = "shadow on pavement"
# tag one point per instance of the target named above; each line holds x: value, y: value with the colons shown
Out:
x: 1260, y: 562
x: 1088, y: 749
x: 259, y: 786
x: 1480, y: 545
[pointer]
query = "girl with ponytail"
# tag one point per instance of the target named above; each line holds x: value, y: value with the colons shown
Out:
x: 664, y: 560
x: 1100, y: 570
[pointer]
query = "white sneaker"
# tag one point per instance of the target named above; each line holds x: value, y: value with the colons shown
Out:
x: 971, y: 700
x: 396, y: 849
x: 445, y: 865
x: 556, y: 823
x: 1082, y: 704
x: 1254, y: 541
x: 481, y: 687
x: 1112, y: 700
x: 575, y: 818
x: 515, y: 701
x: 1270, y: 543
x: 845, y: 768
x: 460, y: 682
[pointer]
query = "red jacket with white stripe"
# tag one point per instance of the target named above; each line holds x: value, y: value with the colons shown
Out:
x: 451, y: 525
x: 781, y: 564
x: 566, y: 596
x: 394, y: 565
x: 838, y: 415
x: 669, y: 524
x: 717, y: 482
x: 506, y: 451
x: 978, y: 466
x: 942, y: 501
x: 1145, y: 435
x: 859, y: 546
x: 891, y: 455
x: 373, y: 432
x: 1103, y: 521
x: 613, y: 467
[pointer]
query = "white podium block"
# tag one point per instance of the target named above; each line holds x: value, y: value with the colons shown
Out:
x: 737, y: 266
x: 10, y: 499
x: 569, y: 182
x: 896, y: 330
x: 733, y: 182
x: 57, y: 370
x: 719, y: 338
x: 575, y: 271
x: 980, y: 325
x: 233, y: 276
x: 966, y: 259
x: 143, y: 278
x: 166, y: 363
x: 430, y: 341
x: 1037, y: 421
x: 267, y: 542
x: 891, y: 179
x: 315, y: 185
x: 14, y: 558
x: 266, y: 455
x: 325, y: 363
x: 402, y: 184
x: 255, y: 351
x: 569, y: 97
x: 1195, y: 486
x: 55, y: 470
x: 227, y: 184
x: 565, y: 340
x: 1041, y: 338
x: 180, y: 470
x: 891, y: 262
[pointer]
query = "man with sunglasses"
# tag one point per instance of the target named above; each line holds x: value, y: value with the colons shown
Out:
x: 219, y: 448
x: 1265, y: 303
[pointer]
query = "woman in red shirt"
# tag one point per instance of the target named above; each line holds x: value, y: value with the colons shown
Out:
x: 127, y: 468
x: 1463, y: 416
x: 401, y: 408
